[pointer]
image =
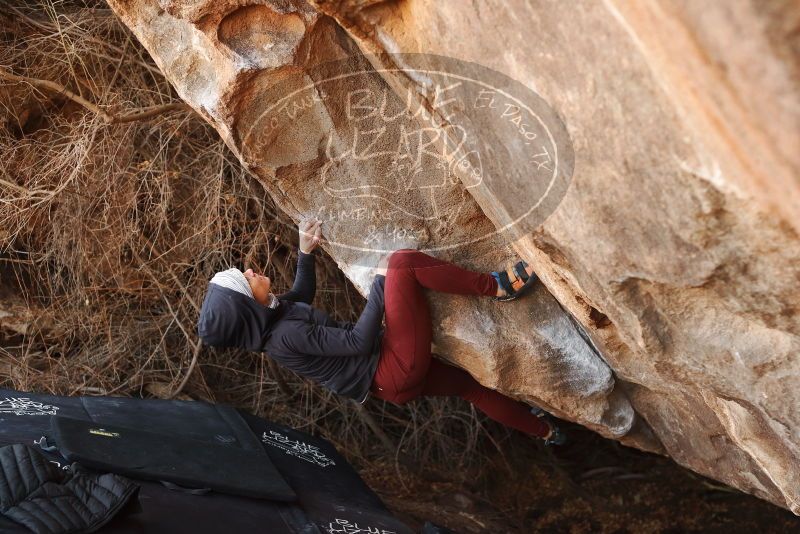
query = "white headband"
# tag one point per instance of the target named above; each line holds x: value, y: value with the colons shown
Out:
x: 233, y: 279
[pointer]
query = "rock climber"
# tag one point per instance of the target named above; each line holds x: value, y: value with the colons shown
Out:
x: 393, y: 363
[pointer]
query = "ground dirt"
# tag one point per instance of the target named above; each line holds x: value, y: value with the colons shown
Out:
x: 590, y: 485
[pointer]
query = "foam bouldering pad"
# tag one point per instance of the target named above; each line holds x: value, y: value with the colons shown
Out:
x: 331, y: 497
x: 187, y: 462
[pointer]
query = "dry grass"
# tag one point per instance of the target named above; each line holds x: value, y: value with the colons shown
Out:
x: 109, y: 233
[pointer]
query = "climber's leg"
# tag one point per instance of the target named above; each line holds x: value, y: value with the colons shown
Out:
x: 405, y: 351
x: 406, y: 346
x: 438, y: 275
x: 446, y: 380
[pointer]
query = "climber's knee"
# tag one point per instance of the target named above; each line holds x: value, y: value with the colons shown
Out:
x: 402, y: 257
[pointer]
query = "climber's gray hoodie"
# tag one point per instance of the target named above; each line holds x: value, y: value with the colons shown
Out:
x: 341, y: 356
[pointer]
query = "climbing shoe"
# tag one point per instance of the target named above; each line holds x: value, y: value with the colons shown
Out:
x: 517, y: 286
x: 557, y: 436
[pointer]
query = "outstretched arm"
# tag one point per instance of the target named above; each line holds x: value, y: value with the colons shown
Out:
x: 305, y: 280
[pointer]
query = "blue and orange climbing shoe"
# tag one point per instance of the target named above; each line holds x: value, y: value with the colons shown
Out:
x: 557, y: 436
x: 517, y: 286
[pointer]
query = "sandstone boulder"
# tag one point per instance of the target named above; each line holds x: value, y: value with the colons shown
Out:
x: 669, y: 314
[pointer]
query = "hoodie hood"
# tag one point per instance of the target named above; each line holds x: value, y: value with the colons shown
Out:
x: 230, y: 319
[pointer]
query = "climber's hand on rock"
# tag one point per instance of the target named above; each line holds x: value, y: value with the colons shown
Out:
x: 310, y: 230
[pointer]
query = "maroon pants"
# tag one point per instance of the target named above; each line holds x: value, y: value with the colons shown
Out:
x: 406, y: 369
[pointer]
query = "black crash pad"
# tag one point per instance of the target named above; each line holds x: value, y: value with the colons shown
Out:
x: 190, y: 463
x: 331, y: 497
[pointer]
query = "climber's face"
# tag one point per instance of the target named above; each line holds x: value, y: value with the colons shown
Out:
x: 260, y: 285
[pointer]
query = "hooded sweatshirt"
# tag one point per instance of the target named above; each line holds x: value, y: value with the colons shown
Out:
x: 340, y: 356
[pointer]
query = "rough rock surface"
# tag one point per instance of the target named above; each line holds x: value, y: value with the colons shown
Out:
x: 675, y: 251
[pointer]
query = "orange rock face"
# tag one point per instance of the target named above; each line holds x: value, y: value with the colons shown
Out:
x: 645, y: 158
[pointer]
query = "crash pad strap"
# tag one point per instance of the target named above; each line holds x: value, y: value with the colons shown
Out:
x: 191, y: 491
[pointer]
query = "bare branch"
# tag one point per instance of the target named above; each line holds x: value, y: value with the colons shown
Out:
x: 197, y: 346
x: 148, y: 113
x: 131, y: 116
x: 55, y: 87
